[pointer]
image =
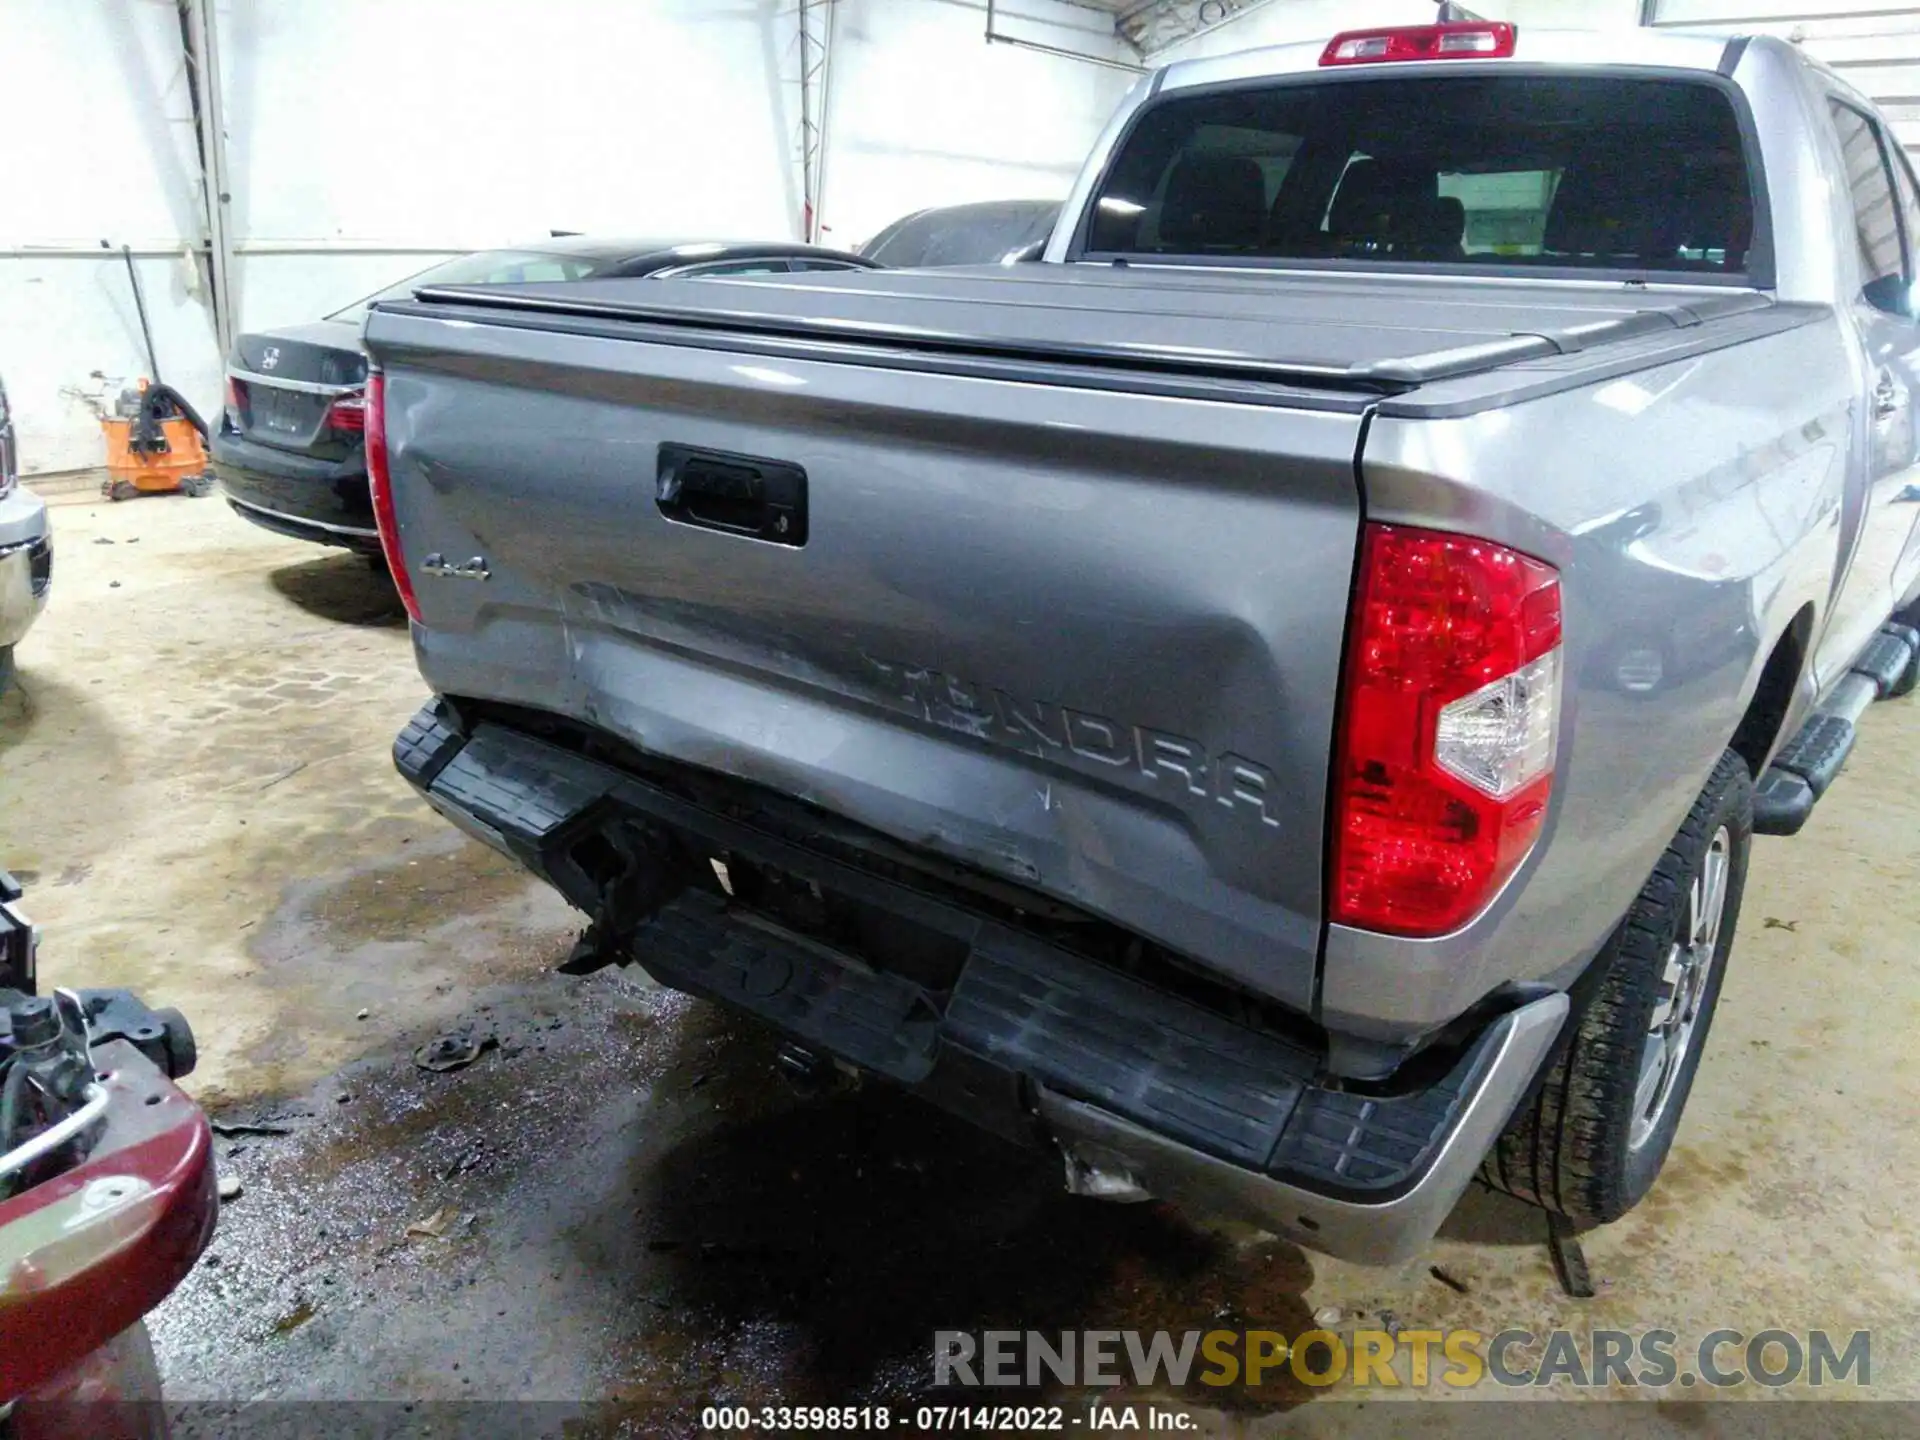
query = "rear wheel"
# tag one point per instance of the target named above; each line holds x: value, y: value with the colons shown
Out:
x: 1592, y: 1140
x: 6, y: 668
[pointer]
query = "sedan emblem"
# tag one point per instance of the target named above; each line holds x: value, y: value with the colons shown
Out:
x: 270, y: 357
x: 438, y: 564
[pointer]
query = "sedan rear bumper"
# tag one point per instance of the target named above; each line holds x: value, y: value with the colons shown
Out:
x: 325, y: 501
x: 297, y: 527
x: 1143, y: 1091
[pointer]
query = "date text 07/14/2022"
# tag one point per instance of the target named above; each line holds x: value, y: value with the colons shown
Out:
x: 936, y: 1419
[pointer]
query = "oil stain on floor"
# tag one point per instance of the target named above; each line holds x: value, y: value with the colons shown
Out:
x: 620, y: 1199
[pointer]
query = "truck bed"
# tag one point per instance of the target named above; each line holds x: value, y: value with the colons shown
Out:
x: 1064, y: 608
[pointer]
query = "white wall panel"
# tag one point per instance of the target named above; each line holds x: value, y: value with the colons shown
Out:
x: 96, y: 143
x: 463, y: 125
x: 1567, y: 14
x: 364, y: 134
x: 926, y: 113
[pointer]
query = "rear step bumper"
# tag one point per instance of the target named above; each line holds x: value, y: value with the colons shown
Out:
x: 1144, y: 1092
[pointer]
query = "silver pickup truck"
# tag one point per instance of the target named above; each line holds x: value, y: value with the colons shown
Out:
x: 1272, y: 700
x: 26, y: 550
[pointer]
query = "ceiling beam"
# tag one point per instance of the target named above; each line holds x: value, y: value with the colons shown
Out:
x: 1158, y: 25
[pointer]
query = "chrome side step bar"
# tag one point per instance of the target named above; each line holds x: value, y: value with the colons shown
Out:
x: 1806, y: 766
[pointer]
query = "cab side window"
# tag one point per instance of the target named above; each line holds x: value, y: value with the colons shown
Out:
x: 1908, y: 196
x: 1878, y: 223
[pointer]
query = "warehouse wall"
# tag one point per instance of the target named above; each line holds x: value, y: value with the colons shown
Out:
x: 96, y: 143
x: 679, y: 119
x: 925, y: 113
x: 399, y: 125
x: 1568, y: 14
x: 367, y: 138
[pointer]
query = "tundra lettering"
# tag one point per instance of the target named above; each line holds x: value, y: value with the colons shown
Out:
x: 1035, y: 727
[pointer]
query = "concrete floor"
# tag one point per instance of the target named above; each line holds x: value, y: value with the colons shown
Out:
x: 194, y: 780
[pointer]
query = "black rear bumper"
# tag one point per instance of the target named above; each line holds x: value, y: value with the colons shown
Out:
x: 325, y: 501
x: 1142, y: 1090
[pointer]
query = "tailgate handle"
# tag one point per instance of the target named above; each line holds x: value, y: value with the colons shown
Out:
x: 734, y: 494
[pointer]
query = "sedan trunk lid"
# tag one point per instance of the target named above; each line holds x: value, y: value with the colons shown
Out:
x: 285, y: 382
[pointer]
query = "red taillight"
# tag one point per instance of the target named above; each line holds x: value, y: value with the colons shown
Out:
x: 1449, y: 710
x: 1456, y: 40
x: 236, y: 399
x: 380, y: 482
x: 348, y: 413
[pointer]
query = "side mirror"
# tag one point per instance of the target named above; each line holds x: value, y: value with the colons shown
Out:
x: 1894, y: 295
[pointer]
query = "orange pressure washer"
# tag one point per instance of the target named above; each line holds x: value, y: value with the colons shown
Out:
x: 156, y: 443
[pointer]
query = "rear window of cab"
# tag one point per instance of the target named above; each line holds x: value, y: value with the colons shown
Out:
x: 1602, y: 172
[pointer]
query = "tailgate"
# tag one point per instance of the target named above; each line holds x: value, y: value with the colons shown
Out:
x: 1073, y: 635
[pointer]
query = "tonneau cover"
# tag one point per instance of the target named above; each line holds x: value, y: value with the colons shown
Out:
x: 1375, y: 333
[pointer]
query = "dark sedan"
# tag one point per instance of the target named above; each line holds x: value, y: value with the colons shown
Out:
x: 287, y: 451
x: 987, y: 232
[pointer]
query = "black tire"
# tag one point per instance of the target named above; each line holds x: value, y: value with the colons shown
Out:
x: 1573, y: 1147
x: 182, y: 1051
x: 6, y: 668
x: 1909, y: 678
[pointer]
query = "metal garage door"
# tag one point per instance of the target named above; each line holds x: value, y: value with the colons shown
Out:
x: 1876, y: 46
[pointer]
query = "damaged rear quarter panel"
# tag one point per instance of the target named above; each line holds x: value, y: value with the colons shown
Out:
x: 1690, y: 508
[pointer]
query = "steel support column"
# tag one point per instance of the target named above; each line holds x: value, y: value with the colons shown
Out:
x: 815, y: 44
x: 203, y: 74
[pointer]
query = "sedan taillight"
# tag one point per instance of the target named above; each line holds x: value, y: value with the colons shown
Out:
x: 348, y: 413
